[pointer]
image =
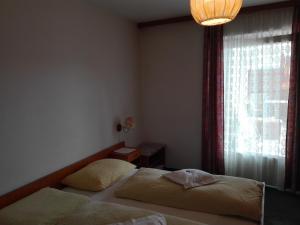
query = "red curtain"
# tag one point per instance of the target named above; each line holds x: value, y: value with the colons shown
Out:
x: 292, y: 176
x: 213, y: 101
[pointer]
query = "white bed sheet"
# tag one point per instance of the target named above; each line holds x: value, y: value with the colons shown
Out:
x: 108, y: 196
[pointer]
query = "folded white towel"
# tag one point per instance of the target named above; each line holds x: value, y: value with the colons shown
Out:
x: 190, y: 178
x: 156, y: 219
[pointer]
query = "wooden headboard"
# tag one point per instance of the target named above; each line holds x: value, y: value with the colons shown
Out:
x: 53, y: 179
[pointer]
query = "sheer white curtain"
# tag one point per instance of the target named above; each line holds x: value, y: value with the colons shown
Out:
x: 257, y: 51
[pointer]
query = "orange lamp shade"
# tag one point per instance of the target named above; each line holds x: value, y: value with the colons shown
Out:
x: 215, y: 12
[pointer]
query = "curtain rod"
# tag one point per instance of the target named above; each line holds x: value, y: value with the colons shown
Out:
x: 250, y: 9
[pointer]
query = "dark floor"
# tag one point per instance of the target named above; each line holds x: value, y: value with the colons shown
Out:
x: 281, y: 208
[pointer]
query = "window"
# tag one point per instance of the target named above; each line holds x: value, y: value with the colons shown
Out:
x: 257, y: 59
x: 256, y: 98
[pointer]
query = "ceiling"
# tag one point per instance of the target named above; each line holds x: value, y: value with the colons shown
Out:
x: 149, y: 10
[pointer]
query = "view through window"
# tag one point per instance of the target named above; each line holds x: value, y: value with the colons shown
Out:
x: 256, y: 97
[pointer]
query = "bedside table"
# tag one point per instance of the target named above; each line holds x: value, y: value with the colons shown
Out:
x: 152, y: 155
x: 130, y: 157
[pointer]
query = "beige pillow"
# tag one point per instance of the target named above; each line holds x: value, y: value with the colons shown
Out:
x: 99, y: 174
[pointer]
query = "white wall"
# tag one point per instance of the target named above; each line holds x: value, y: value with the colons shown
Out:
x: 68, y: 72
x: 171, y: 84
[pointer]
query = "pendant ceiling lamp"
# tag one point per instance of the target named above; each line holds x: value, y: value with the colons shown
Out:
x: 215, y: 12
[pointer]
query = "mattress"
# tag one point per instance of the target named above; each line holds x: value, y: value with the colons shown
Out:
x: 108, y: 196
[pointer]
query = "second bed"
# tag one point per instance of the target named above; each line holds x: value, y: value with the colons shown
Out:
x: 107, y: 195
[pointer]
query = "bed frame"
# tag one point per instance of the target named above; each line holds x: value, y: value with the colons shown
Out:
x: 53, y: 179
x: 262, y: 220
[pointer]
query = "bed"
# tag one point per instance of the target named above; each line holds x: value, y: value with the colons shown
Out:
x: 108, y: 196
x: 54, y: 207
